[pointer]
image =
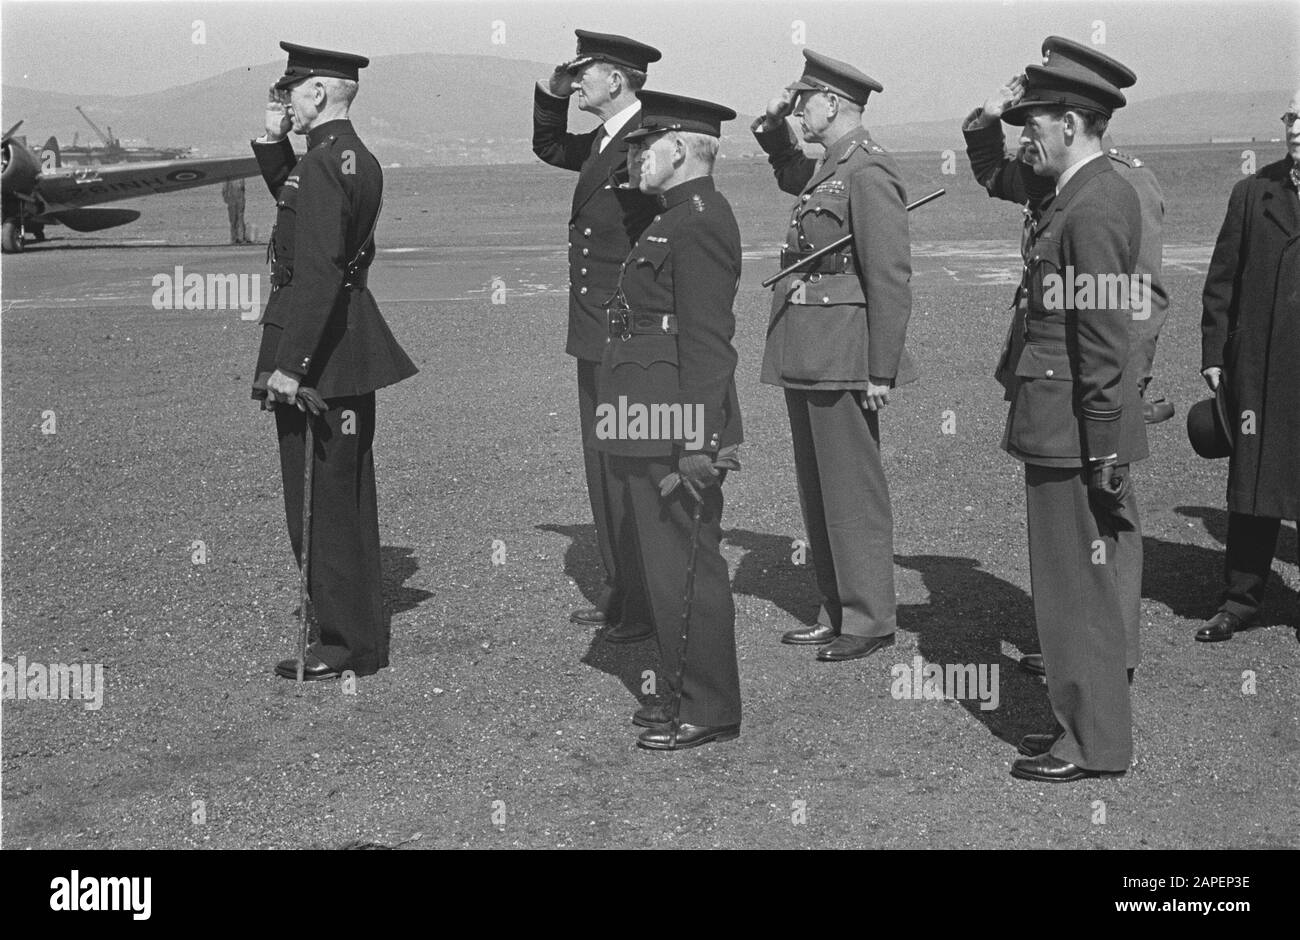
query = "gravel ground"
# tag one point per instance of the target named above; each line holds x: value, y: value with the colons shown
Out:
x: 500, y: 724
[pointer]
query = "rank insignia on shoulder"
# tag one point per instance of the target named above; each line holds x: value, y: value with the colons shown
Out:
x: 656, y: 238
x: 292, y: 181
x: 697, y: 203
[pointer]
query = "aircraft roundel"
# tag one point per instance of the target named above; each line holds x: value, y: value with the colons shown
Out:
x: 184, y: 176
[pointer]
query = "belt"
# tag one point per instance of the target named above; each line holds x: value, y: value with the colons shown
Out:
x: 834, y: 263
x: 356, y: 280
x: 627, y: 323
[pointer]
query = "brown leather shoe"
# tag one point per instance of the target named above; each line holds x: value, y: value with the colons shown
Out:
x: 846, y: 647
x: 1220, y: 627
x: 810, y: 636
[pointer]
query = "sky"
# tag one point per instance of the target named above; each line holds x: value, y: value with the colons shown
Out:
x: 933, y: 58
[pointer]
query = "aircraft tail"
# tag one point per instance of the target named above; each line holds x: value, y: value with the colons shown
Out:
x: 51, y: 159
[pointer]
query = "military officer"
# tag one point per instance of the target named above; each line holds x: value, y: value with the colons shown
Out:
x: 835, y: 344
x: 1075, y: 419
x: 322, y: 330
x: 1006, y: 176
x: 668, y: 352
x: 607, y: 217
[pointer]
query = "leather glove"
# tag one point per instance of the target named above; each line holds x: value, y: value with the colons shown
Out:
x: 310, y: 399
x: 728, y: 459
x: 1108, y: 487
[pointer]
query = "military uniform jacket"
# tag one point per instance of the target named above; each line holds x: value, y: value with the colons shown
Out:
x: 837, y: 330
x: 1005, y: 177
x: 606, y: 219
x: 686, y: 265
x: 1064, y: 367
x: 321, y: 322
x: 1250, y: 327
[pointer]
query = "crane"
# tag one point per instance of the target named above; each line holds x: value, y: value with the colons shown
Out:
x: 108, y: 140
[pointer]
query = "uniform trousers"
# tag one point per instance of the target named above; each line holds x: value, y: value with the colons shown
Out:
x: 1086, y: 581
x: 846, y: 511
x: 345, y: 580
x: 661, y: 528
x: 622, y: 596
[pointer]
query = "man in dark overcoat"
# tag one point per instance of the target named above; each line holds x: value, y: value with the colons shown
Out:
x: 1250, y: 342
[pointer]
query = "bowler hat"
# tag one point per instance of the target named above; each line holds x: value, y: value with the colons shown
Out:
x: 1208, y: 427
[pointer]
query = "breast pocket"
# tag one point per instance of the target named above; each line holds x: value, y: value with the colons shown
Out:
x: 823, y: 219
x: 1046, y: 285
x: 1046, y: 421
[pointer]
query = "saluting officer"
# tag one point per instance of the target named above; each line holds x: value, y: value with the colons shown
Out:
x: 322, y: 330
x: 835, y: 344
x: 1006, y: 176
x: 1075, y: 419
x: 607, y: 217
x: 668, y: 351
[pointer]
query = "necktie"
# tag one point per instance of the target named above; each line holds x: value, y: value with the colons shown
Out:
x: 1295, y: 177
x: 599, y: 145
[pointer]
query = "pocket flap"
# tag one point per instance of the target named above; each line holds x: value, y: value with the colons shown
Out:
x: 825, y: 290
x: 1044, y: 362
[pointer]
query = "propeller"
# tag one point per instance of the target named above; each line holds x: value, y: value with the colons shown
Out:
x: 9, y: 133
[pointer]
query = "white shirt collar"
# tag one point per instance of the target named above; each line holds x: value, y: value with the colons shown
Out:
x: 1074, y: 168
x: 615, y: 124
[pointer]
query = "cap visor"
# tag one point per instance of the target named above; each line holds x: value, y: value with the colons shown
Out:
x: 576, y: 65
x: 641, y: 133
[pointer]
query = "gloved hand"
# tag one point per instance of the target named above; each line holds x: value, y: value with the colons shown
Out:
x: 1108, y: 487
x: 309, y: 400
x: 728, y: 459
x: 697, y: 473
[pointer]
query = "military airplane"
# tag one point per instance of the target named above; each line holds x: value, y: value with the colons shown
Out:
x: 36, y: 194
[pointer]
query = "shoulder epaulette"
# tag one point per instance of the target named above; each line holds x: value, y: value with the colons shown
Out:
x: 1120, y: 156
x: 697, y: 203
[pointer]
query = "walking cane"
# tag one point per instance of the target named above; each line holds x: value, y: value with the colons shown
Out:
x: 840, y: 243
x: 309, y: 458
x: 687, y: 599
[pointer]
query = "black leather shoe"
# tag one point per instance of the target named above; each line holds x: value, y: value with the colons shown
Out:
x: 1155, y: 410
x: 810, y: 636
x: 1032, y: 663
x: 313, y: 669
x: 652, y: 716
x: 1031, y: 745
x: 593, y: 617
x: 1051, y: 769
x: 628, y: 633
x: 847, y: 647
x: 1220, y: 627
x: 666, y: 739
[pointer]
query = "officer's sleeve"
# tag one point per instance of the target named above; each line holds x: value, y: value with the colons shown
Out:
x: 276, y: 161
x: 1000, y: 172
x: 551, y: 139
x: 792, y: 167
x: 883, y: 250
x: 319, y: 262
x: 1101, y: 241
x: 1223, y: 281
x: 706, y: 270
x: 1151, y: 201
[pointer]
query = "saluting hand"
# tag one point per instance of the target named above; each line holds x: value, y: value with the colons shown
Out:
x: 1006, y: 96
x: 560, y: 83
x: 779, y: 108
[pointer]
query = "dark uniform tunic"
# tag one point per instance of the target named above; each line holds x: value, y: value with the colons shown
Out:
x: 1067, y: 376
x: 670, y: 343
x: 1007, y: 177
x: 605, y: 221
x: 833, y: 327
x: 1250, y: 328
x: 322, y: 325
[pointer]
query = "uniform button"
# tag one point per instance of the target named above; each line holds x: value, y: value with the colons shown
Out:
x: 658, y: 217
x: 642, y: 258
x: 804, y: 198
x: 582, y: 290
x: 826, y: 300
x: 572, y: 226
x: 584, y: 272
x: 586, y: 233
x: 1050, y: 373
x: 585, y: 252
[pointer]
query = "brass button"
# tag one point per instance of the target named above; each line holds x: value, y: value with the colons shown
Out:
x: 572, y: 226
x: 582, y: 290
x: 585, y: 252
x: 826, y: 300
x: 586, y: 232
x: 1050, y: 373
x: 658, y: 217
x: 584, y: 272
x: 804, y: 198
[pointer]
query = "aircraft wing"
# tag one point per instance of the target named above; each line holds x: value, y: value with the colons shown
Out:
x: 75, y: 187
